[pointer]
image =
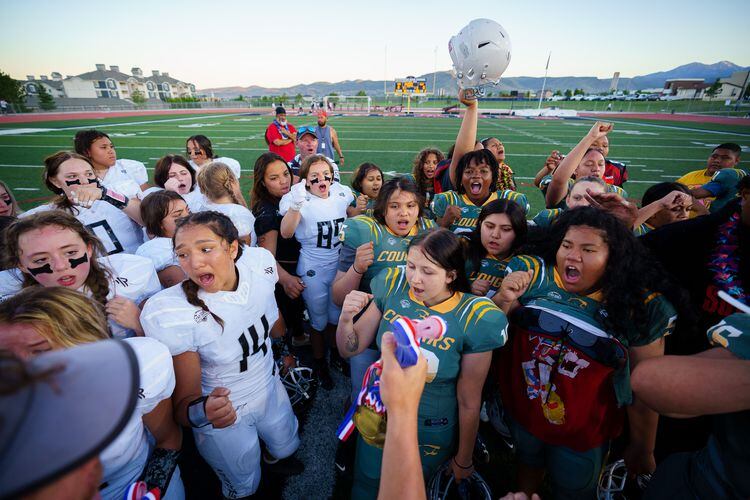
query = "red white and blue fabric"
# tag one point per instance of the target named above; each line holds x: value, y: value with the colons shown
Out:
x: 139, y: 491
x: 408, y: 334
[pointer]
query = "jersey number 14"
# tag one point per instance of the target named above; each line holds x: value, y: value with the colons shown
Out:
x: 259, y: 342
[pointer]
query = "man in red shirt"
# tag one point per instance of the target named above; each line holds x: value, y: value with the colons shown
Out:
x: 280, y: 136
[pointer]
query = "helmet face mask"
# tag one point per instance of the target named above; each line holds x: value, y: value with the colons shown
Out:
x: 613, y: 482
x: 298, y: 382
x: 443, y: 486
x: 480, y: 53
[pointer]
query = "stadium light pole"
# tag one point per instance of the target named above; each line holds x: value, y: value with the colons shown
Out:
x: 544, y: 82
x: 434, y: 76
x: 385, y: 73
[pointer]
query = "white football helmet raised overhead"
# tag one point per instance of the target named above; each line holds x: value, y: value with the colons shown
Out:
x: 480, y: 54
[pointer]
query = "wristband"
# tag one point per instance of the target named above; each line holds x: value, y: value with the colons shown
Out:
x: 115, y: 199
x: 196, y: 412
x: 355, y: 270
x: 461, y: 466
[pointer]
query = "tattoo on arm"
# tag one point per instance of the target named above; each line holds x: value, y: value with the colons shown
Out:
x: 352, y: 341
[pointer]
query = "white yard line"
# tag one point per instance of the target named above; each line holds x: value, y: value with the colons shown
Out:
x: 672, y: 127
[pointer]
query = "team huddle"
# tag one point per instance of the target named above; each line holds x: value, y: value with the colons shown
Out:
x: 556, y: 319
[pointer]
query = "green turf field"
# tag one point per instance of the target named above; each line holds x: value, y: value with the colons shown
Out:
x: 654, y: 151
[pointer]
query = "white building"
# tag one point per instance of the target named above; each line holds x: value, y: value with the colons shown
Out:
x: 54, y: 85
x: 732, y: 87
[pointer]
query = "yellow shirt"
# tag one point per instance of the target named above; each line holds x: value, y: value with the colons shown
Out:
x: 696, y: 179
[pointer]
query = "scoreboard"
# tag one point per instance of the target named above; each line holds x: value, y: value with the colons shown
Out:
x: 410, y: 85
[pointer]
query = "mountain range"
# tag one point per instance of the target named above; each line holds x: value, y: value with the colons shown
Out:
x: 445, y: 80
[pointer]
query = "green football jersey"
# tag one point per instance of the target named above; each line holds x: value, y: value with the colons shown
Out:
x: 546, y: 217
x: 544, y: 184
x: 389, y: 249
x: 723, y: 186
x: 546, y: 291
x: 470, y: 211
x: 643, y: 229
x: 370, y: 203
x: 475, y: 324
x: 491, y: 269
x: 732, y: 333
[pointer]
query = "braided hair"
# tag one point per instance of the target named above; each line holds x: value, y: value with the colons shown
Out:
x: 221, y: 226
x: 216, y: 180
x: 99, y: 277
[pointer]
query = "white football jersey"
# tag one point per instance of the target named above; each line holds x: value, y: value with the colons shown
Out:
x: 157, y: 381
x: 117, y: 231
x: 11, y: 282
x: 134, y: 278
x: 233, y: 165
x: 195, y: 200
x: 318, y: 230
x: 161, y: 252
x: 237, y: 356
x: 126, y: 177
x: 242, y: 218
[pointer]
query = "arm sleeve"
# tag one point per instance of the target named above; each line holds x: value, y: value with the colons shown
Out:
x: 518, y: 198
x: 346, y: 258
x: 137, y: 170
x: 156, y: 370
x: 486, y: 327
x: 662, y: 319
x: 175, y: 330
x: 351, y: 236
x: 439, y: 204
x: 266, y: 221
x: 732, y: 333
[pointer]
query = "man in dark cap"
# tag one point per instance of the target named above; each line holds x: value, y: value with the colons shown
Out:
x: 280, y: 136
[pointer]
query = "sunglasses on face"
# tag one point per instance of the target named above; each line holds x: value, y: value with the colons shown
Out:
x: 305, y: 130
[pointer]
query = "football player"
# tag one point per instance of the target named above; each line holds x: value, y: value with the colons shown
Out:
x: 201, y: 153
x: 222, y: 192
x: 160, y: 211
x: 564, y: 381
x: 314, y: 210
x: 576, y: 198
x: 128, y: 177
x: 366, y: 183
x: 114, y: 218
x: 582, y: 161
x: 217, y: 325
x: 501, y: 229
x: 44, y: 319
x: 478, y: 174
x: 371, y: 244
x: 54, y: 249
x: 433, y: 283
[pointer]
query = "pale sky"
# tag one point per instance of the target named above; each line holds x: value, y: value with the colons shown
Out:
x: 280, y: 43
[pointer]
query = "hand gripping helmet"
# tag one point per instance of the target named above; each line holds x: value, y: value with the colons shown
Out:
x: 613, y: 479
x: 480, y: 54
x: 297, y: 380
x: 443, y: 486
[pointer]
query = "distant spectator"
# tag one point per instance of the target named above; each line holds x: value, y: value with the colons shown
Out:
x: 3, y: 106
x: 723, y: 156
x: 307, y: 144
x: 280, y: 136
x: 328, y: 139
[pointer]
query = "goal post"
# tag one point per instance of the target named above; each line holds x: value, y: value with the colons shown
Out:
x: 348, y: 103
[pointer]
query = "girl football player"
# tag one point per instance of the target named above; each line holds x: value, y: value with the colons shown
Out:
x: 433, y: 283
x: 201, y: 153
x: 314, y: 210
x: 583, y: 313
x: 582, y: 161
x: 371, y: 244
x: 174, y: 173
x: 8, y: 204
x: 160, y: 212
x: 478, y: 173
x: 576, y: 197
x: 366, y: 183
x: 274, y: 181
x: 41, y: 319
x: 218, y: 332
x: 128, y: 177
x: 501, y: 230
x: 112, y: 217
x: 53, y: 248
x: 222, y: 191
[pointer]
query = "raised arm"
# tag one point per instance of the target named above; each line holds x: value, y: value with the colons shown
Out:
x: 467, y: 134
x: 558, y: 188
